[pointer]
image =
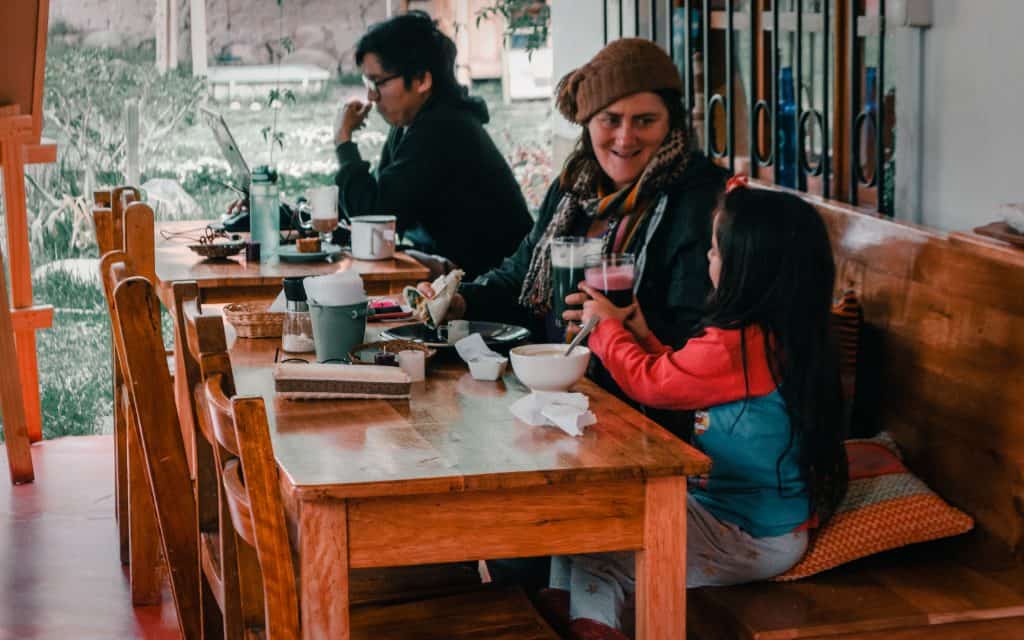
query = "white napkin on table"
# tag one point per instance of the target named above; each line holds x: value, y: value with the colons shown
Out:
x: 567, y: 411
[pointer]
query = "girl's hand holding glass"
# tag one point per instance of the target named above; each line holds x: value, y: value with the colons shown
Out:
x: 601, y: 307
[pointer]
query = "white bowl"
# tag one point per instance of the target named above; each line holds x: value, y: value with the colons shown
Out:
x: 542, y: 367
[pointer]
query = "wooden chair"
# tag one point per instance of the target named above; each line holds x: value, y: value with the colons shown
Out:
x: 109, y: 216
x: 252, y: 526
x: 153, y: 435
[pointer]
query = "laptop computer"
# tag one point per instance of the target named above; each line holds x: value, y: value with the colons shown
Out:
x: 240, y: 175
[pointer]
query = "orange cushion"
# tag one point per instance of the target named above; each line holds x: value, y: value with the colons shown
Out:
x: 885, y: 507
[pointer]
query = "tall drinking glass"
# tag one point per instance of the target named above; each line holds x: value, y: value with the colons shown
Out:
x: 613, y: 276
x: 568, y: 257
x: 323, y: 203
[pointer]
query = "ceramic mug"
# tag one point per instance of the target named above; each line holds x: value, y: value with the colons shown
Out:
x: 454, y: 331
x: 373, y: 237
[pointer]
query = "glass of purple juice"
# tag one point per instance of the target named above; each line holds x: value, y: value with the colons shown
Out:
x: 612, y: 275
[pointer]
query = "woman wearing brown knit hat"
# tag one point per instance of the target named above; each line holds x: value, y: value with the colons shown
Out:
x: 632, y: 181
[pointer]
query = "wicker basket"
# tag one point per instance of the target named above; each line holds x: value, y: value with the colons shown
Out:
x: 252, y: 320
x: 388, y: 346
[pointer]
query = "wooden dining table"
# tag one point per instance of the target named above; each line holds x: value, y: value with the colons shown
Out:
x: 234, y: 279
x: 450, y: 475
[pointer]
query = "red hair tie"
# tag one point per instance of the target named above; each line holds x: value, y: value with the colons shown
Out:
x: 738, y: 181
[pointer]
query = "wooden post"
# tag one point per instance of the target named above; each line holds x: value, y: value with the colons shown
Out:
x: 23, y: 41
x: 19, y: 457
x: 198, y: 33
x: 131, y: 135
x: 161, y: 22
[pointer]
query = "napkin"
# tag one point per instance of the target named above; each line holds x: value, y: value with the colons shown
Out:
x: 333, y: 381
x: 433, y: 310
x: 567, y: 411
x: 484, y: 364
x: 337, y: 289
x: 278, y: 305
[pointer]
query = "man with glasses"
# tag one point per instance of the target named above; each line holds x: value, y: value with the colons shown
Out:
x: 439, y: 172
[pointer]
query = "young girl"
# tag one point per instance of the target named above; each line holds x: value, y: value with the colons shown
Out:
x: 760, y: 371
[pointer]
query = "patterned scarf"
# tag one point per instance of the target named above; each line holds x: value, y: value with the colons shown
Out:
x: 664, y: 168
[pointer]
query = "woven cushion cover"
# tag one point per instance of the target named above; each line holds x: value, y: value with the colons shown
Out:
x: 885, y: 507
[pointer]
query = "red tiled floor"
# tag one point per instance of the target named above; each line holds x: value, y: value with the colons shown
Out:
x: 60, y: 576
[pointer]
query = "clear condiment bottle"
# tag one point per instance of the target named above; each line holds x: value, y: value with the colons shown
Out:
x: 297, y: 334
x: 264, y: 215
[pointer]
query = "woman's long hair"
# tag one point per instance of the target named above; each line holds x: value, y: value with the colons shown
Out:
x: 582, y: 156
x: 777, y: 272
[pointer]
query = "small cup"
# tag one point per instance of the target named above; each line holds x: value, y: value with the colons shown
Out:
x: 414, y: 364
x: 454, y: 331
x: 487, y: 368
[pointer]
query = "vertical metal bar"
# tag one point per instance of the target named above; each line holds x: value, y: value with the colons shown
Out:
x: 622, y: 24
x: 605, y: 21
x: 880, y: 112
x: 854, y: 78
x: 654, y: 19
x: 730, y: 123
x: 706, y: 17
x: 688, y: 70
x: 636, y: 18
x: 826, y: 153
x: 801, y: 177
x: 776, y: 156
x: 754, y: 26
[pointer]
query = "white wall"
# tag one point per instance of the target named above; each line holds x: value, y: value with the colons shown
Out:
x: 972, y: 146
x: 577, y: 33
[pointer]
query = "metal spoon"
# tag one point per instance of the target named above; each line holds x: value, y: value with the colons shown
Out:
x: 582, y: 334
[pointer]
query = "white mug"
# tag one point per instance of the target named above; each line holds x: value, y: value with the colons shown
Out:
x: 373, y: 237
x: 454, y: 331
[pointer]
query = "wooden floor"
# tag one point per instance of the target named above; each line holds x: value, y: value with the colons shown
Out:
x: 60, y: 576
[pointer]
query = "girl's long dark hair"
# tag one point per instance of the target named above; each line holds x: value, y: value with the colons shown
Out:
x: 777, y: 272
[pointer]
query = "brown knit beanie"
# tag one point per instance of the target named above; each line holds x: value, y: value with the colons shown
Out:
x: 626, y: 66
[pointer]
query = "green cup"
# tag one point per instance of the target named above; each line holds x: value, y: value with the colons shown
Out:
x: 336, y: 329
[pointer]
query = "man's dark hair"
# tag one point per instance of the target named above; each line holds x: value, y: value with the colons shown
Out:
x: 410, y: 45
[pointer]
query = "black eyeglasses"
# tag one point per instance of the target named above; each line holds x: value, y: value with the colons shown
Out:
x: 373, y: 86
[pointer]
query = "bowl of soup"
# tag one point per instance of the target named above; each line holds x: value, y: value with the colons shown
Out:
x: 544, y: 367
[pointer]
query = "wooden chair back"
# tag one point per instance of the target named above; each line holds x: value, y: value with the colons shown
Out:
x: 942, y: 362
x: 123, y: 225
x: 150, y: 403
x: 257, y: 509
x: 108, y: 216
x: 225, y: 561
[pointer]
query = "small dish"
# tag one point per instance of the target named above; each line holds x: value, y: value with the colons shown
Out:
x: 218, y: 250
x: 366, y: 353
x: 495, y: 334
x: 290, y: 253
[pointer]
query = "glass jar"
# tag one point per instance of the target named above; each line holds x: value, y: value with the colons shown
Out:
x: 297, y: 333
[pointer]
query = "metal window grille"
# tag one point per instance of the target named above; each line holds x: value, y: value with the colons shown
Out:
x: 788, y: 91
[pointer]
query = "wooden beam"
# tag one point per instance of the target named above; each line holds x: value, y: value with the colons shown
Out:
x: 12, y: 156
x: 19, y: 455
x: 32, y: 318
x: 43, y: 153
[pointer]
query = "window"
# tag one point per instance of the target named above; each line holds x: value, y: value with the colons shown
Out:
x: 787, y: 91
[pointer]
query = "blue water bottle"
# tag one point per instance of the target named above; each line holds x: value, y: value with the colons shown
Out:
x: 786, y: 117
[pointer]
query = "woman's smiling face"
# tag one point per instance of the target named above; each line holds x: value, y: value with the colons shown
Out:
x: 626, y: 133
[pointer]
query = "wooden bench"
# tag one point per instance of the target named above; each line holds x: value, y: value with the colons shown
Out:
x: 942, y: 369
